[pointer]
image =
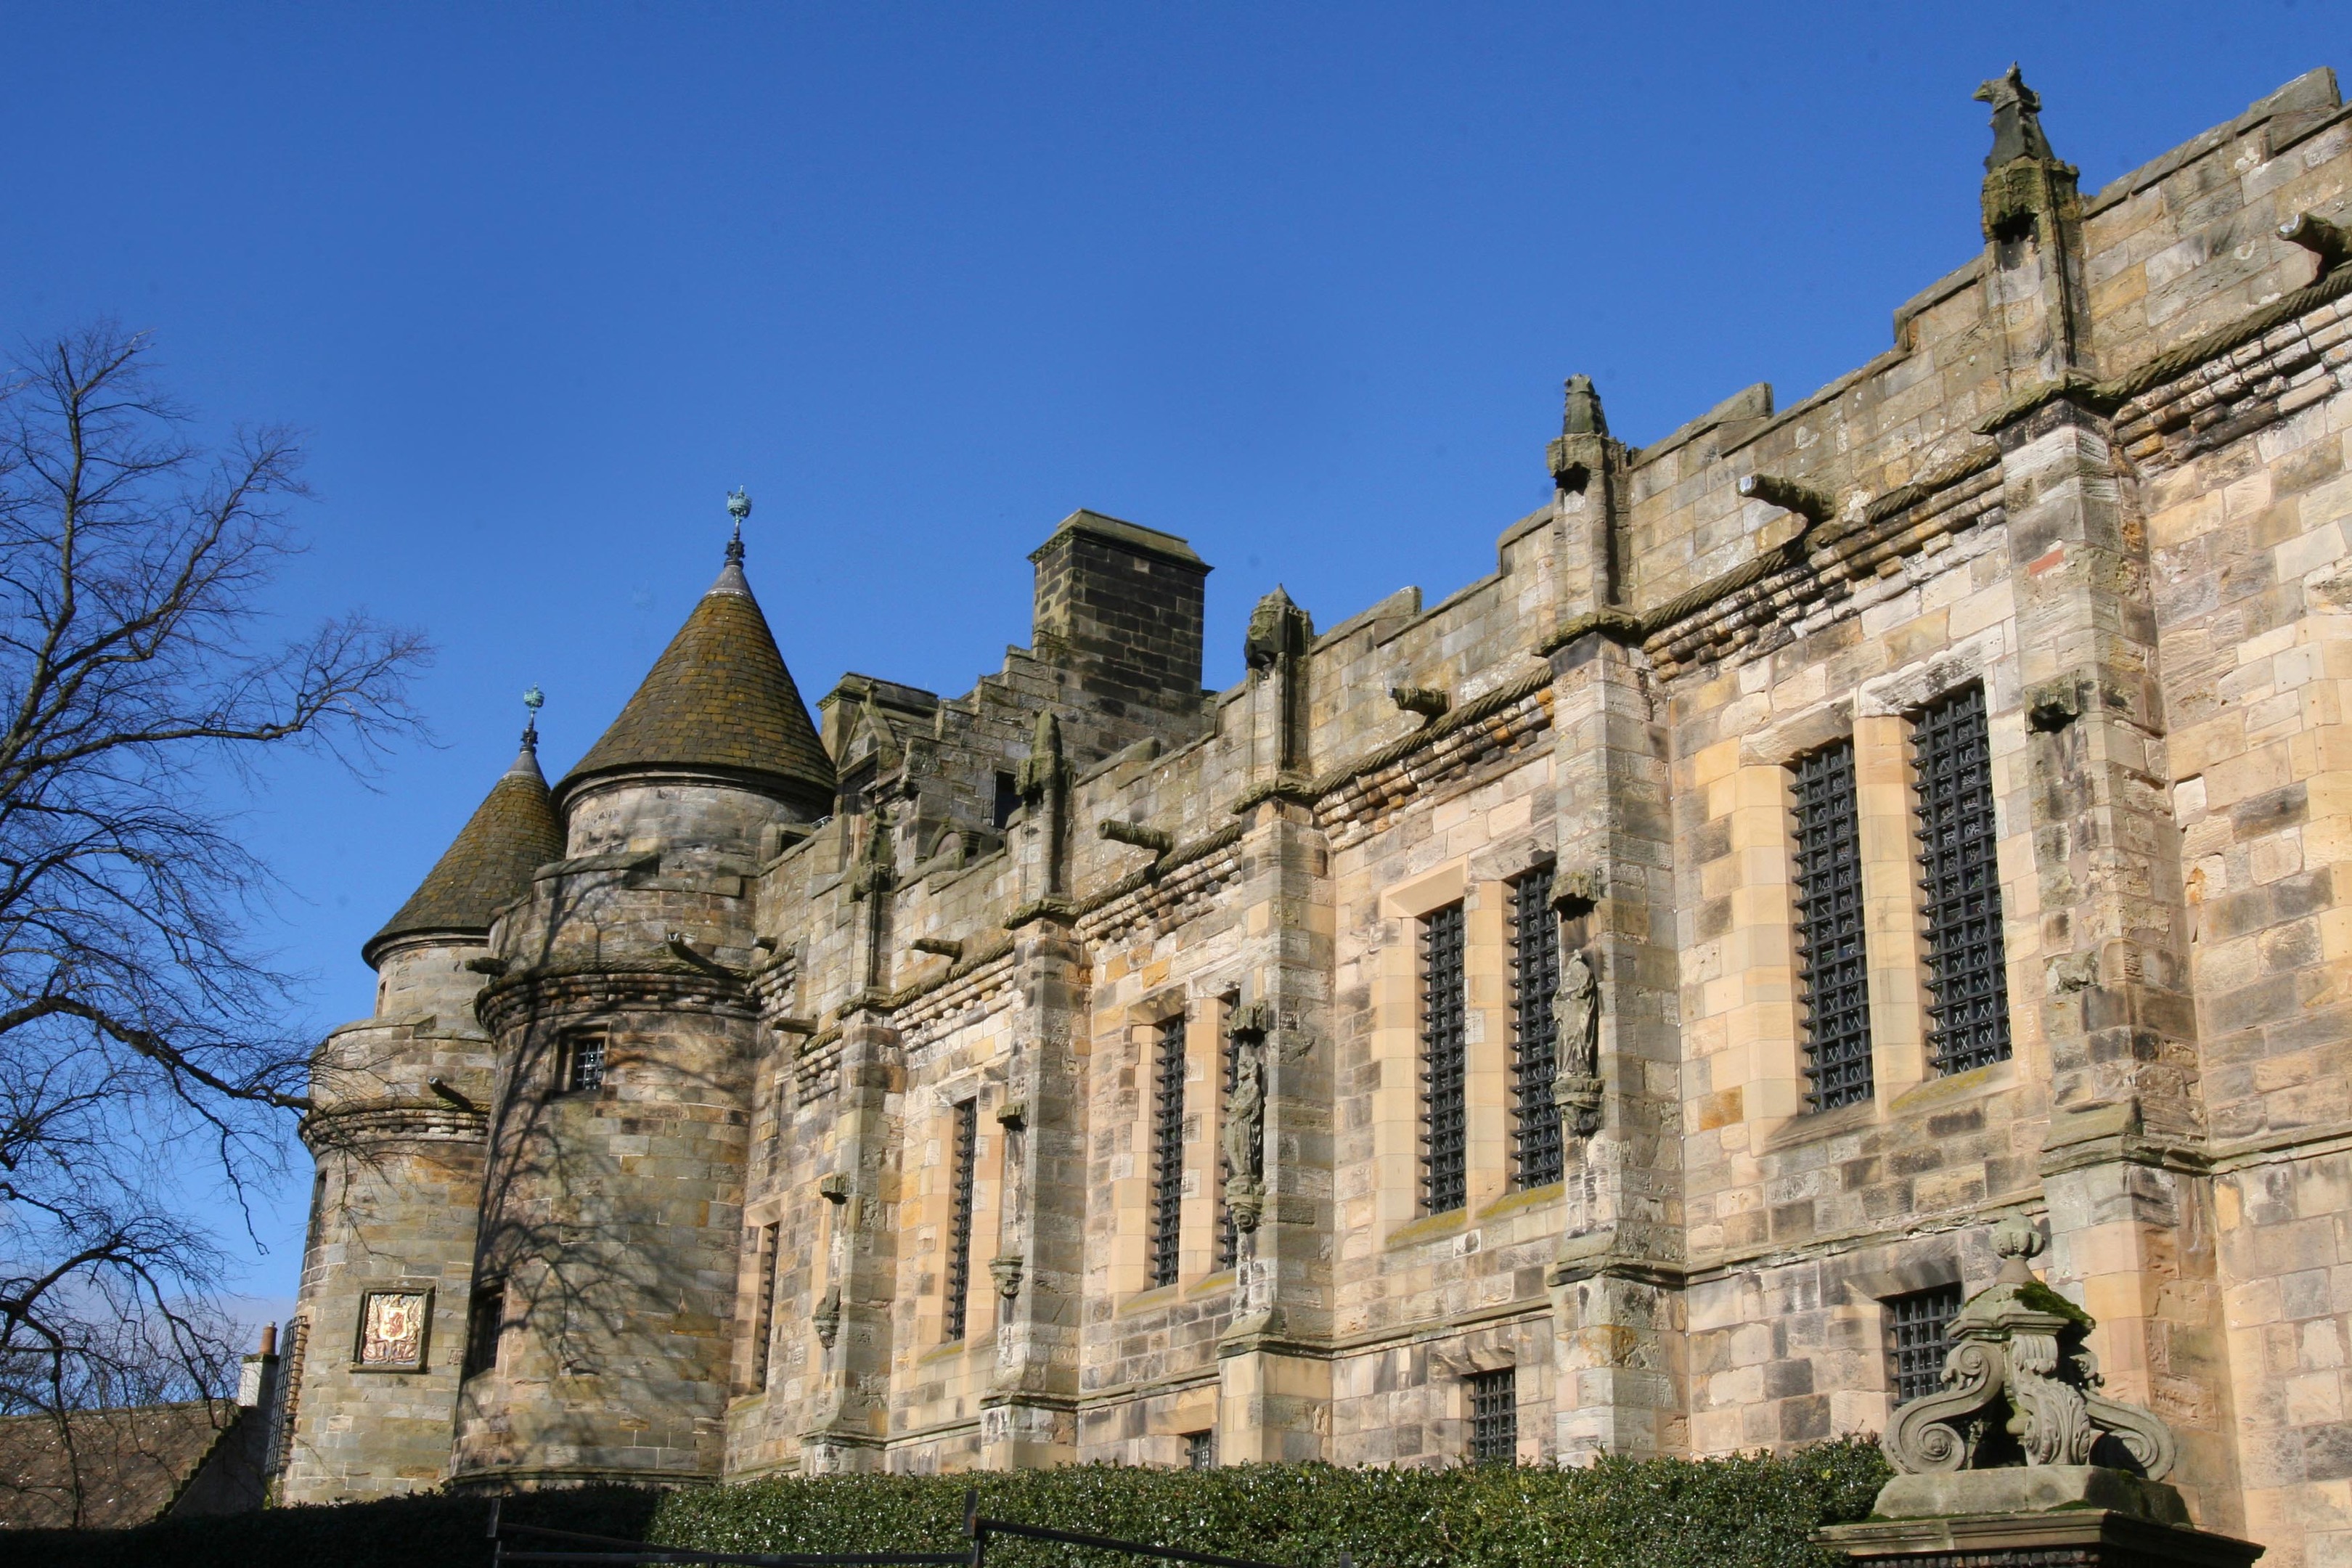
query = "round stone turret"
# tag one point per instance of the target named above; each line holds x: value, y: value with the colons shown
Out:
x: 400, y: 1134
x: 603, y: 1298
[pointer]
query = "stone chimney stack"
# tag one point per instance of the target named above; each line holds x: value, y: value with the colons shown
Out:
x: 1120, y: 607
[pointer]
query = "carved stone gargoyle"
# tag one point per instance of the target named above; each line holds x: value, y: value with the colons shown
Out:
x: 2020, y: 1388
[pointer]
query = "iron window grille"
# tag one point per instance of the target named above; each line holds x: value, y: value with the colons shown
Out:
x: 1967, y: 963
x: 1535, y: 982
x: 583, y: 1062
x: 485, y: 1322
x: 965, y: 1149
x: 1201, y: 1450
x: 770, y: 1260
x: 1228, y: 1234
x: 1915, y: 1347
x: 1167, y: 1154
x: 1833, y: 967
x: 1495, y: 1416
x: 1443, y: 1063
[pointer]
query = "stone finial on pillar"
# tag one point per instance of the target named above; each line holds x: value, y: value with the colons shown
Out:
x: 2033, y: 218
x: 2018, y: 1459
x: 1275, y: 648
x: 2020, y: 1387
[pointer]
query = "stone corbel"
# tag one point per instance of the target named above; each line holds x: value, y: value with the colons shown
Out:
x: 2053, y: 705
x: 1575, y: 893
x: 827, y: 1317
x: 2329, y: 245
x: 1006, y: 1271
x: 832, y: 1187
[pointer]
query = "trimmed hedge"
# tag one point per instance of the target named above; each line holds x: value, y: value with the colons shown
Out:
x: 1754, y: 1512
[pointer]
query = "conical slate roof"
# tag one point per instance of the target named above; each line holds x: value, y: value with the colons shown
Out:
x: 511, y: 835
x: 721, y: 701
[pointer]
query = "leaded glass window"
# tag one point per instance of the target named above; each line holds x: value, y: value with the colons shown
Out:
x: 966, y: 1148
x: 1832, y: 968
x: 1535, y: 980
x: 1443, y: 1015
x: 1168, y: 1152
x: 1966, y: 965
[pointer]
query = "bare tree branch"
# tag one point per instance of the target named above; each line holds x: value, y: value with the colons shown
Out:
x: 144, y: 1047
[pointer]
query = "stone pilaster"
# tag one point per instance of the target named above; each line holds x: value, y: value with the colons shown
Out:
x: 852, y: 1319
x: 1274, y: 1366
x: 2122, y: 1167
x: 1029, y: 1414
x: 1616, y: 1281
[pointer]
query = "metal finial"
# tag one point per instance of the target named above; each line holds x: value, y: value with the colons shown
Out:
x: 738, y: 507
x: 532, y: 699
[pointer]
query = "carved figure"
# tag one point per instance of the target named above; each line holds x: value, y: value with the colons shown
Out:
x: 1246, y: 1112
x: 827, y: 1317
x: 2019, y: 1387
x: 2016, y: 119
x: 1577, y: 1018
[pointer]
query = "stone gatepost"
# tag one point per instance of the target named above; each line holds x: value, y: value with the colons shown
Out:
x: 2020, y: 1461
x: 852, y: 1319
x: 1617, y: 1280
x: 1029, y: 1415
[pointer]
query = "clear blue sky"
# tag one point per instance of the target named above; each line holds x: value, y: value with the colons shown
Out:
x: 1298, y: 282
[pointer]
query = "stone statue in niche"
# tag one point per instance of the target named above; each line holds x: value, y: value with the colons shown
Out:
x: 2020, y: 1388
x: 1576, y: 1035
x: 1244, y: 1129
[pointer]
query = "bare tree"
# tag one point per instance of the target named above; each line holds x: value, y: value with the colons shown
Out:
x: 146, y: 1051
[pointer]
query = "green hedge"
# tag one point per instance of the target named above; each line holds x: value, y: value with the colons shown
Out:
x: 1753, y: 1512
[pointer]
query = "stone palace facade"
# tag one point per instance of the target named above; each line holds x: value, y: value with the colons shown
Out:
x: 1606, y: 1010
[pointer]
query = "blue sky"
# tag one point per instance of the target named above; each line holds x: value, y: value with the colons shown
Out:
x: 1299, y: 282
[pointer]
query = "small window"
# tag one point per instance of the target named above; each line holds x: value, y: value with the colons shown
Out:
x: 959, y: 1280
x: 1008, y: 801
x: 1495, y: 1416
x: 765, y: 1331
x: 485, y: 1322
x: 1915, y: 1325
x: 1200, y: 1450
x: 1168, y: 1152
x: 583, y: 1065
x: 1444, y: 1064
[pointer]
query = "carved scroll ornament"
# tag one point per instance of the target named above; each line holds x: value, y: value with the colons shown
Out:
x: 2020, y: 1388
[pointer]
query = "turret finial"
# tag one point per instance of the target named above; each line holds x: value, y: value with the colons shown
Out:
x: 532, y: 700
x: 738, y: 507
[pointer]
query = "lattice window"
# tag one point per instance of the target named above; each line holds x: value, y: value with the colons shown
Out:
x: 961, y: 1174
x: 1832, y: 969
x: 1200, y: 1450
x: 1494, y: 1416
x: 1535, y: 980
x: 1914, y: 1340
x: 289, y: 1396
x: 486, y: 1317
x: 583, y: 1062
x: 1966, y: 965
x: 1168, y: 1152
x: 764, y: 1331
x: 1444, y: 1183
